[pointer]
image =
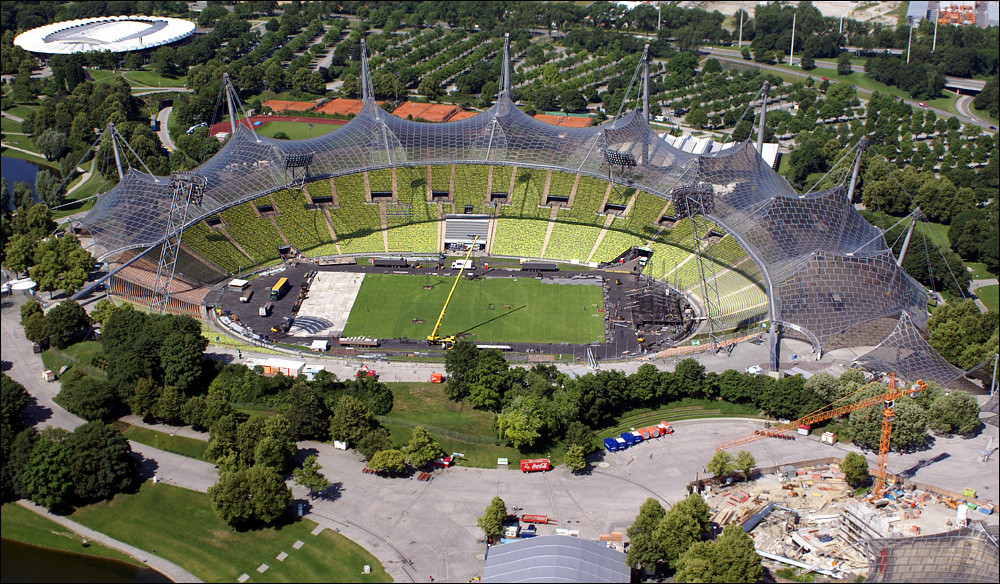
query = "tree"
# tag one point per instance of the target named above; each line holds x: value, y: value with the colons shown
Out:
x: 101, y: 462
x: 254, y: 495
x: 169, y: 405
x: 102, y: 310
x: 180, y: 358
x: 519, y: 424
x: 572, y: 100
x: 422, y: 449
x: 64, y: 320
x: 13, y: 399
x: 730, y: 558
x: 310, y: 477
x: 579, y: 434
x: 51, y: 144
x: 392, y: 461
x: 307, y: 416
x: 644, y: 549
x: 459, y: 363
x: 681, y: 527
x: 745, y: 461
x: 492, y: 520
x: 855, y: 467
x: 696, y: 118
x: 721, y: 465
x: 576, y: 460
x: 374, y: 441
x: 90, y: 398
x: 47, y: 478
x: 955, y: 412
x: 351, y: 420
x: 909, y: 428
x: 844, y: 64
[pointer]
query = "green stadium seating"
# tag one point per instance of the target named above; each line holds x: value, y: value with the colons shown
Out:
x: 569, y: 241
x: 414, y: 237
x: 441, y: 178
x: 616, y: 240
x: 380, y: 180
x: 304, y: 228
x: 357, y: 223
x: 256, y: 235
x: 501, y: 179
x: 526, y: 198
x: 470, y: 187
x: 214, y: 247
x: 561, y: 184
x: 519, y: 238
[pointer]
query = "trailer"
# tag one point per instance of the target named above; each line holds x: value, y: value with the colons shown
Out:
x: 539, y: 267
x: 390, y: 262
x: 437, y: 378
x: 535, y: 464
x: 540, y: 519
x: 665, y: 428
x: 611, y: 444
x: 629, y: 438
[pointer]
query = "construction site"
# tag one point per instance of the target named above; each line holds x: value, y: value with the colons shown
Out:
x: 806, y: 518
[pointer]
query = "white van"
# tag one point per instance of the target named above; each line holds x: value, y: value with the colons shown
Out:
x: 459, y: 264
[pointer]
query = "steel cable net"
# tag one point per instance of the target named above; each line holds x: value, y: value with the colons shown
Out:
x: 907, y: 353
x: 824, y: 268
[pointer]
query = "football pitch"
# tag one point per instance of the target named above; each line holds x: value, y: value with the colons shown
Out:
x: 538, y: 312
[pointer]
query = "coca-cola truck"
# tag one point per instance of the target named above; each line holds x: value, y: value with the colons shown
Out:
x: 535, y: 464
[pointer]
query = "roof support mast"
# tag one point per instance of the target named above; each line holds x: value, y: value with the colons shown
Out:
x: 763, y: 114
x: 227, y: 86
x: 862, y: 144
x: 114, y: 146
x: 914, y: 217
x: 505, y: 71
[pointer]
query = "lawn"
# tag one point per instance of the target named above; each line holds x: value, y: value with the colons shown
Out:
x: 455, y: 425
x: 180, y: 525
x: 189, y: 447
x: 294, y: 130
x: 979, y: 271
x: 20, y: 524
x: 152, y: 79
x: 8, y: 125
x: 685, y: 409
x: 542, y: 313
x: 80, y: 356
x: 938, y: 233
x: 990, y: 296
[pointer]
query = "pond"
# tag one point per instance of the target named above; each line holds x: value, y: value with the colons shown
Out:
x: 15, y: 169
x: 27, y: 563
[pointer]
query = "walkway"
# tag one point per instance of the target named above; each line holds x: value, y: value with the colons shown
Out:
x: 976, y: 284
x: 165, y: 567
x: 164, y: 118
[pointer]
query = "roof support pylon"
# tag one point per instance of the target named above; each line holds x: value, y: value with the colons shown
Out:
x: 763, y: 114
x: 227, y: 86
x: 645, y: 83
x: 914, y: 217
x: 110, y: 131
x: 366, y: 79
x: 505, y: 68
x: 862, y: 144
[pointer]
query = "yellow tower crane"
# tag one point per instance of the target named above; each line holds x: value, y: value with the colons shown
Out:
x: 434, y: 338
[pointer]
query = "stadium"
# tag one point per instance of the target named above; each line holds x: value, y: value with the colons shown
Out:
x: 723, y: 231
x: 117, y: 34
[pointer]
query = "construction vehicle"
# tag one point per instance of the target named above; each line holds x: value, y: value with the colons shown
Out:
x: 892, y: 392
x: 449, y: 341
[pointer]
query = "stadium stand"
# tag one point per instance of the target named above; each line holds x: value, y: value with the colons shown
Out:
x: 416, y: 237
x: 304, y: 228
x: 441, y: 179
x: 356, y: 223
x: 380, y: 182
x: 214, y: 247
x: 560, y: 187
x: 571, y: 242
x: 519, y: 237
x: 501, y: 179
x: 616, y: 240
x: 470, y: 187
x: 256, y: 235
x: 526, y: 198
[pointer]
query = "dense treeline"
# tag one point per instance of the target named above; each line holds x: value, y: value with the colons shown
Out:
x: 920, y: 80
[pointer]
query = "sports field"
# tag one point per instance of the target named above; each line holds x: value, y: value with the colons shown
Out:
x: 538, y: 312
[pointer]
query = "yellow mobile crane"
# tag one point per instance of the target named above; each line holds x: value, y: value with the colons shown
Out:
x: 433, y: 338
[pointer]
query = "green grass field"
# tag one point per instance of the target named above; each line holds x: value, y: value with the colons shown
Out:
x: 455, y: 425
x: 295, y: 130
x: 20, y: 524
x: 182, y: 445
x: 543, y: 313
x: 990, y: 296
x: 181, y: 527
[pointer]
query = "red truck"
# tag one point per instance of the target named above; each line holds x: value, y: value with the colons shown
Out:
x: 535, y: 464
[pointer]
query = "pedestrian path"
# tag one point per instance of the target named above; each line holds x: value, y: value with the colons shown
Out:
x: 161, y: 565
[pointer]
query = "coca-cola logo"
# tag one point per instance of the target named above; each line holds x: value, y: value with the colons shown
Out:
x: 535, y: 464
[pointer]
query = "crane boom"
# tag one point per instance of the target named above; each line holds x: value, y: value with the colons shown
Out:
x: 891, y: 393
x: 433, y: 337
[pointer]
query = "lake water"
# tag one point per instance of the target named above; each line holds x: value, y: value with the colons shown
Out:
x: 15, y: 169
x: 27, y: 563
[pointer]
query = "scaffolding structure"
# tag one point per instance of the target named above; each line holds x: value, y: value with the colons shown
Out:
x: 968, y: 554
x: 827, y: 272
